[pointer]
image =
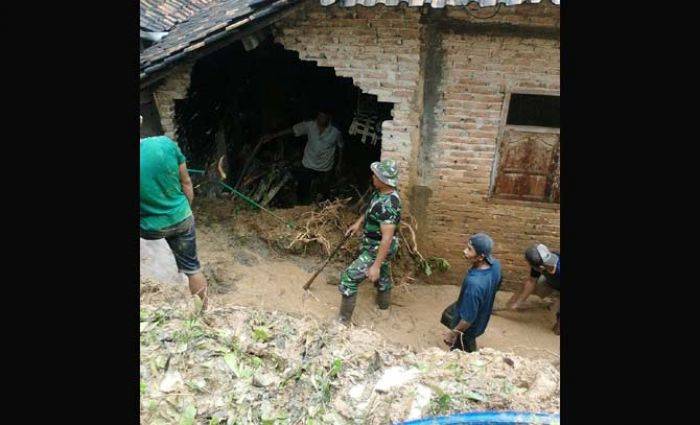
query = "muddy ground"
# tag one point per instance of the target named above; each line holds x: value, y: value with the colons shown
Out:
x: 245, y: 270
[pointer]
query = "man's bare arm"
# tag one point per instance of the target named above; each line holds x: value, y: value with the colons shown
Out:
x: 451, y: 336
x: 356, y: 226
x: 270, y: 137
x: 462, y: 326
x: 186, y: 183
x: 528, y: 289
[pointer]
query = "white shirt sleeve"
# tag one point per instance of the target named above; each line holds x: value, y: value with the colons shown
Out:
x: 301, y: 129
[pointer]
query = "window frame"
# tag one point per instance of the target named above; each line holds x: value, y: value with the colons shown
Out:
x: 503, y: 126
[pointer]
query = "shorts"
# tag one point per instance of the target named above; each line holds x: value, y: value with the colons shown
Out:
x: 182, y: 241
x: 543, y: 289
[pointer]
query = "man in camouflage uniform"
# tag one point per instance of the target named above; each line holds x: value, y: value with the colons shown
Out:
x: 379, y: 243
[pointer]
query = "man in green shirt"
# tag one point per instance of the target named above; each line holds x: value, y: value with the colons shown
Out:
x: 166, y: 195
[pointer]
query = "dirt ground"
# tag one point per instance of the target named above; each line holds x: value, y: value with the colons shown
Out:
x: 243, y: 270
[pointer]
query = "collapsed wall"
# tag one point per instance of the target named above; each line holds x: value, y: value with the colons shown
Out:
x: 449, y: 74
x: 379, y: 48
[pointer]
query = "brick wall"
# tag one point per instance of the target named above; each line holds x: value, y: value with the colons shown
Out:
x: 172, y: 88
x: 476, y: 72
x: 379, y: 48
x: 451, y: 152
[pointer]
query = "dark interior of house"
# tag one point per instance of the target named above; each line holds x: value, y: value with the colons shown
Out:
x: 237, y: 96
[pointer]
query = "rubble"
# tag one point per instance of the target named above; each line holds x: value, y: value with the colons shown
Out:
x: 317, y: 230
x: 250, y: 366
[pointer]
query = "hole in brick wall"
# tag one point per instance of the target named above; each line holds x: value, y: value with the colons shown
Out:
x: 236, y: 96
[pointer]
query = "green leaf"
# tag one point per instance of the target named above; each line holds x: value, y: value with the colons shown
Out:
x: 240, y: 371
x: 336, y: 367
x: 143, y: 387
x: 187, y: 417
x: 442, y: 403
x: 260, y: 334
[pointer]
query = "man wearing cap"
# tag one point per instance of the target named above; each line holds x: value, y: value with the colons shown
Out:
x: 166, y: 195
x: 379, y: 243
x: 475, y: 301
x: 544, y: 277
x: 319, y: 154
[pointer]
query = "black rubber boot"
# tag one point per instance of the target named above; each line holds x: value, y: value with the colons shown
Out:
x: 347, y: 305
x: 383, y: 299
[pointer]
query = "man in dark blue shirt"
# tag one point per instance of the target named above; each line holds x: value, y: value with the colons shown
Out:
x: 545, y: 279
x: 475, y: 302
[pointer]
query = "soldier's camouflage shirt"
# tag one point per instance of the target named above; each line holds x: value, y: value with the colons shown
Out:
x: 383, y: 209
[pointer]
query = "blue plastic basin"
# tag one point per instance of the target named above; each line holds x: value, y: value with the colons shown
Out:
x: 488, y: 418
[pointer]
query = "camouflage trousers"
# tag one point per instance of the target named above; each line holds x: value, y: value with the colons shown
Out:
x: 357, y: 271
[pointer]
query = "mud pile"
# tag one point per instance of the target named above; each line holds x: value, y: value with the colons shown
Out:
x: 250, y: 366
x: 315, y: 230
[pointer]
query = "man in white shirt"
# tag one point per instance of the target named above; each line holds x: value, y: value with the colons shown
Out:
x: 319, y: 153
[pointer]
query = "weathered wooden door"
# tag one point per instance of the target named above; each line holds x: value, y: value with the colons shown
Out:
x: 528, y: 168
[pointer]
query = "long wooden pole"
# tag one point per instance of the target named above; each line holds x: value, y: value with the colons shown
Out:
x: 328, y: 260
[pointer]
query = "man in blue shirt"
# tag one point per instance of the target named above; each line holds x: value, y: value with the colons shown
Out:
x: 475, y: 302
x: 545, y: 279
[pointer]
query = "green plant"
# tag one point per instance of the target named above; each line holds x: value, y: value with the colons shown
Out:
x: 336, y: 367
x: 261, y: 334
x: 326, y: 390
x: 188, y: 415
x: 240, y: 370
x: 441, y: 404
x: 256, y: 361
x: 158, y: 316
x: 441, y: 264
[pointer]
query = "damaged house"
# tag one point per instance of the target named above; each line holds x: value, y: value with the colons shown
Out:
x: 463, y: 94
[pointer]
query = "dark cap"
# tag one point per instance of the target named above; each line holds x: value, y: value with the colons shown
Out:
x: 483, y: 245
